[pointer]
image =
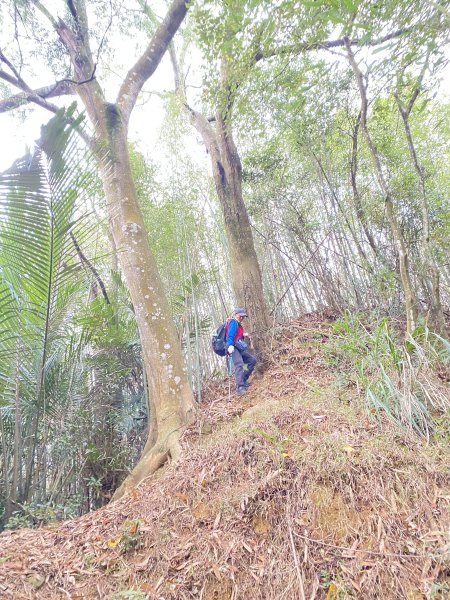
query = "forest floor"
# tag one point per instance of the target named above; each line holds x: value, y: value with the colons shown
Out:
x: 290, y: 492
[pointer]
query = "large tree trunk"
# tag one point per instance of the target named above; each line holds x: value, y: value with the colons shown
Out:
x: 246, y: 279
x: 227, y: 173
x: 245, y: 270
x: 171, y: 399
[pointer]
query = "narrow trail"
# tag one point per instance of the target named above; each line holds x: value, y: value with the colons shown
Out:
x: 287, y: 492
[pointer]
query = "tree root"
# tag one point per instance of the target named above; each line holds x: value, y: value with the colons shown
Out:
x: 150, y: 462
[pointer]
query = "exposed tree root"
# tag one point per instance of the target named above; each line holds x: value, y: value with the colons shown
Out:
x: 163, y: 450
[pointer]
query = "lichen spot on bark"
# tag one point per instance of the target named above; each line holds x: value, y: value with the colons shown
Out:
x: 166, y: 346
x: 177, y: 380
x: 167, y: 372
x: 130, y: 228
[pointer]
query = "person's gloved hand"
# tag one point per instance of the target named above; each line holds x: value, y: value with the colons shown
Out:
x: 230, y: 349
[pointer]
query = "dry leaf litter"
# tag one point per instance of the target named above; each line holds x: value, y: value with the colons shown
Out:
x: 289, y: 492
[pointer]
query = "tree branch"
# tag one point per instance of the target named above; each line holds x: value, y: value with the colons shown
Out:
x: 198, y: 121
x: 41, y: 8
x: 18, y: 81
x: 295, y: 49
x: 38, y: 96
x: 29, y: 95
x: 328, y: 44
x: 90, y: 266
x: 146, y: 65
x: 416, y: 91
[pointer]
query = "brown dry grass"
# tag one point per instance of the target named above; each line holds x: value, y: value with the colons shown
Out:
x: 287, y: 493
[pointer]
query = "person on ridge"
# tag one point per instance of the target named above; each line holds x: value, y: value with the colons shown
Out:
x: 237, y: 350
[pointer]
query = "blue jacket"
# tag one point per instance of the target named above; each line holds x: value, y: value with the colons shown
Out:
x: 234, y: 333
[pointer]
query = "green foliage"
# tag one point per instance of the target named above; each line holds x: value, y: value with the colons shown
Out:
x: 130, y: 594
x: 36, y: 514
x: 39, y: 268
x: 398, y: 377
x: 129, y: 536
x: 438, y: 590
x: 293, y: 111
x: 79, y: 367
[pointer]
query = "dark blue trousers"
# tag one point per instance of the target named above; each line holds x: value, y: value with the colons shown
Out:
x: 239, y: 360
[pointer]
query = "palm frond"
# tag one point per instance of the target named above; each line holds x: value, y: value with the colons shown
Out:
x: 42, y: 198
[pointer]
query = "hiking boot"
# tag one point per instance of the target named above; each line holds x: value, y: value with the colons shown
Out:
x: 241, y: 390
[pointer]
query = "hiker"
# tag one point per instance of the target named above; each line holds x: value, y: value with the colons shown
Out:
x: 237, y: 350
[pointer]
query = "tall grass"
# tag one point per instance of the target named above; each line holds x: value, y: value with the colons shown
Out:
x: 404, y: 379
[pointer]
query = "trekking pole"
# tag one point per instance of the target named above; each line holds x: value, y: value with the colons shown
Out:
x: 230, y: 370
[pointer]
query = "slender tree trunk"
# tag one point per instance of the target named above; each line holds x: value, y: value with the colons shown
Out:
x: 431, y: 273
x: 360, y: 213
x: 8, y: 506
x: 337, y: 204
x: 400, y: 243
x: 31, y: 451
x: 15, y: 491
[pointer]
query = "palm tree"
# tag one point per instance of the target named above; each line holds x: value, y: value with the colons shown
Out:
x: 42, y: 226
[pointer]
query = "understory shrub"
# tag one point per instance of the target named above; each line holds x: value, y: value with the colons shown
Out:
x: 404, y: 378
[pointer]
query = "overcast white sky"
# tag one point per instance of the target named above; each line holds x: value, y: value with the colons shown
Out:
x: 17, y: 134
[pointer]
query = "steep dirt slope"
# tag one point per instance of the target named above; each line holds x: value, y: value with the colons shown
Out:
x: 287, y: 493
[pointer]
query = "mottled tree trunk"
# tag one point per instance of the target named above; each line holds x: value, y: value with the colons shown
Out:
x: 171, y: 399
x: 170, y: 395
x: 246, y: 279
x: 245, y: 269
